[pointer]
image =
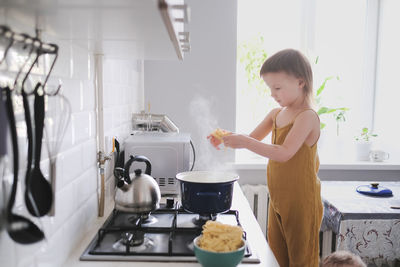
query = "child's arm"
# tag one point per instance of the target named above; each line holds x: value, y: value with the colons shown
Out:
x: 304, y: 125
x: 259, y: 133
x: 265, y: 127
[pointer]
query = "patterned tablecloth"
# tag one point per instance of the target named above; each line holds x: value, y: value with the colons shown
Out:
x: 365, y: 225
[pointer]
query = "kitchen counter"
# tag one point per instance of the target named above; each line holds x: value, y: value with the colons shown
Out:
x: 255, y: 238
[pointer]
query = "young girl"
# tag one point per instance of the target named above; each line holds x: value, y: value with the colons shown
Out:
x: 295, y: 207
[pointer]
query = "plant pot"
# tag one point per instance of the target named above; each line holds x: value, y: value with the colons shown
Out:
x: 362, y: 151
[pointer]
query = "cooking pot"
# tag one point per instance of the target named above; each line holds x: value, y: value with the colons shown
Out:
x: 137, y: 192
x: 206, y: 192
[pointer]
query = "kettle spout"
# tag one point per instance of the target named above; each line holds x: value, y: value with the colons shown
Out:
x: 121, y: 184
x: 119, y: 174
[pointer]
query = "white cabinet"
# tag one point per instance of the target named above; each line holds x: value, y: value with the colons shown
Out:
x: 141, y: 29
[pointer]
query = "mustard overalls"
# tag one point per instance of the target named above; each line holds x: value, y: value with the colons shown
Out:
x: 295, y: 207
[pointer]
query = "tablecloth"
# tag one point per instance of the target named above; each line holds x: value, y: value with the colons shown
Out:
x: 365, y: 225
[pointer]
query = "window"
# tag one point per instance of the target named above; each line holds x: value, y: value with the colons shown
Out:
x: 349, y: 43
x: 387, y: 84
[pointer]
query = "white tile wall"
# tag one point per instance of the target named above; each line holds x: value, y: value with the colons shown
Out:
x: 77, y: 174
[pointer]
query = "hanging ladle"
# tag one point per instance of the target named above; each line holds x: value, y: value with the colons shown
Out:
x: 38, y: 194
x: 40, y: 189
x: 28, y: 195
x: 19, y: 228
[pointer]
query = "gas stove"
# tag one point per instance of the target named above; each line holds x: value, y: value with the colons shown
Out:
x: 163, y: 235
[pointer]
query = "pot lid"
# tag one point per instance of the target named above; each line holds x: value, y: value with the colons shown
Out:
x: 207, y: 177
x: 374, y: 189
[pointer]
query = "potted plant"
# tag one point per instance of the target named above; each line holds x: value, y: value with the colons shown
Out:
x: 338, y: 112
x: 363, y: 143
x: 338, y: 145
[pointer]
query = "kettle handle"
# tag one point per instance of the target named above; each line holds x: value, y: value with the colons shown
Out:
x: 139, y: 159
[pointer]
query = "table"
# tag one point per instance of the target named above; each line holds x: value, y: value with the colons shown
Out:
x: 362, y: 224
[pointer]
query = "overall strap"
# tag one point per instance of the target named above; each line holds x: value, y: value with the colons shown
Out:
x: 274, y: 127
x: 276, y: 115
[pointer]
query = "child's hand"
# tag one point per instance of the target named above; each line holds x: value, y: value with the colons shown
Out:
x: 216, y: 137
x: 215, y: 142
x: 235, y: 140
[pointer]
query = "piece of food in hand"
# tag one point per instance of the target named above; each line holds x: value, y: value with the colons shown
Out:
x: 219, y: 237
x: 219, y: 133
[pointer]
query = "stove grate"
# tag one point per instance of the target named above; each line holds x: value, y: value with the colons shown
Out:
x: 172, y: 240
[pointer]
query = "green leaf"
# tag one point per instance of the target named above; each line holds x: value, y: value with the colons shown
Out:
x: 322, y: 87
x: 325, y: 110
x: 251, y: 55
x: 322, y: 110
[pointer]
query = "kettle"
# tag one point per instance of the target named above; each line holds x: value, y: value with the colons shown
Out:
x: 137, y: 192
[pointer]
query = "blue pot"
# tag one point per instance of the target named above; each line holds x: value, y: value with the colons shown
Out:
x: 206, y: 192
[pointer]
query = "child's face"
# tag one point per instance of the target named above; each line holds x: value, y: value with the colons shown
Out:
x: 286, y: 89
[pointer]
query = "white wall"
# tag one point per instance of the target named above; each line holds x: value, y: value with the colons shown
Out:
x: 77, y: 173
x: 198, y: 94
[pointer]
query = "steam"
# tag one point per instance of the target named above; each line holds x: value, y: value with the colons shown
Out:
x: 207, y: 157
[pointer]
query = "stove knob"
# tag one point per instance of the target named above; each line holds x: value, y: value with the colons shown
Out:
x: 170, y: 203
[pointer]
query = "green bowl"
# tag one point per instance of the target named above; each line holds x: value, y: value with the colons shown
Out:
x: 218, y: 259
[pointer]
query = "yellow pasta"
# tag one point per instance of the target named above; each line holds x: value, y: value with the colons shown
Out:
x: 219, y: 237
x: 219, y: 133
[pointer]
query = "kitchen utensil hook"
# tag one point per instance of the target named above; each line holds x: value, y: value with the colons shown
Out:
x: 38, y: 54
x: 51, y: 68
x: 5, y: 30
x: 26, y: 61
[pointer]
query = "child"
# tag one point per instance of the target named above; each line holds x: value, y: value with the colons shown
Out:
x: 343, y: 259
x: 295, y: 209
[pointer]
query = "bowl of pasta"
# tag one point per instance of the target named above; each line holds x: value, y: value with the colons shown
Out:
x: 219, y: 245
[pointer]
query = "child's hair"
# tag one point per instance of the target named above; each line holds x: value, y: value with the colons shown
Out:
x: 293, y: 63
x: 342, y: 258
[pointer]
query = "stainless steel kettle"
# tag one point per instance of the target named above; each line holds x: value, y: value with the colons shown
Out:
x: 137, y: 192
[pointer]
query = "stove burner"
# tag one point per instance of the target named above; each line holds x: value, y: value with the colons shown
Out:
x: 190, y: 245
x: 133, y: 242
x: 203, y: 218
x: 132, y: 238
x: 143, y: 219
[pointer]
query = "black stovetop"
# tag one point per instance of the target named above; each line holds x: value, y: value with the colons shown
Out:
x: 164, y: 235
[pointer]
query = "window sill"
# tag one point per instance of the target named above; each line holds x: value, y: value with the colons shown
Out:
x: 348, y: 165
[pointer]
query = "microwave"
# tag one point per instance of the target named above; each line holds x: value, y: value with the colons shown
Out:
x: 169, y: 153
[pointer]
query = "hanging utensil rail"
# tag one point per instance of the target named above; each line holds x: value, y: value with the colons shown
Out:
x: 11, y: 36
